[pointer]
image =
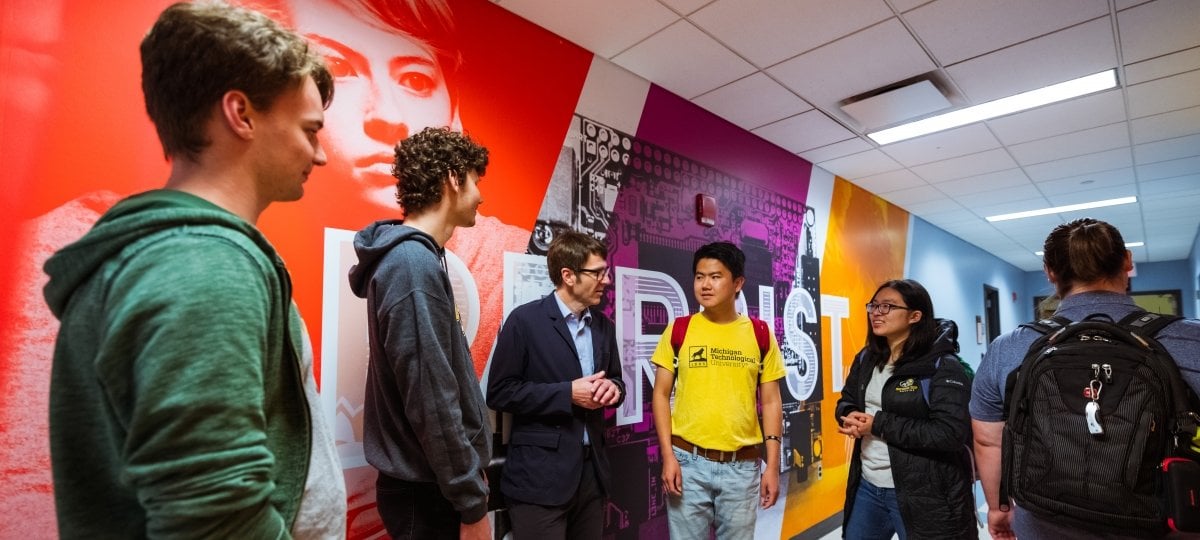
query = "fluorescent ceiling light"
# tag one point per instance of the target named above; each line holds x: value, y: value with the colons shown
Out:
x: 1059, y: 209
x: 1127, y: 244
x: 1000, y: 107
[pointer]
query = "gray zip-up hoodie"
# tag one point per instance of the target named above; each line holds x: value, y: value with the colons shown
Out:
x: 424, y: 418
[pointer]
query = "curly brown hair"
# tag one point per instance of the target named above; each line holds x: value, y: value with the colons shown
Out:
x: 196, y: 52
x: 425, y: 160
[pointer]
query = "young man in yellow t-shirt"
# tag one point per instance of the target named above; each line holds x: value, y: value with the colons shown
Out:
x: 711, y: 441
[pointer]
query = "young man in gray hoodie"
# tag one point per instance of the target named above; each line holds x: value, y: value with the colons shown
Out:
x: 425, y: 424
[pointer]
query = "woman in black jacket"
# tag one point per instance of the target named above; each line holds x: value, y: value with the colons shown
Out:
x: 905, y: 404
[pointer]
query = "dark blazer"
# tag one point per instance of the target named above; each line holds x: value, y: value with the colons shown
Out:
x: 532, y: 368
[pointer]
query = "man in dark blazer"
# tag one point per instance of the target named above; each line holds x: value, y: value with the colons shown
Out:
x: 555, y: 368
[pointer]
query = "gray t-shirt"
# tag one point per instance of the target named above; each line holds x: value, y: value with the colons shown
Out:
x: 1181, y: 339
x: 876, y: 463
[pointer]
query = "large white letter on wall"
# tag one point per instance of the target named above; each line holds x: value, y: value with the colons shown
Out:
x: 636, y: 287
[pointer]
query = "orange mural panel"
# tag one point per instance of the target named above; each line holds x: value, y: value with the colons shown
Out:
x: 867, y: 242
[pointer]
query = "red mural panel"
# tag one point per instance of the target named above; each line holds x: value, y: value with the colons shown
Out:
x: 73, y: 120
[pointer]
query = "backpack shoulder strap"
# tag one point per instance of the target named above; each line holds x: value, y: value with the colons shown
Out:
x: 923, y: 382
x: 1147, y: 324
x: 678, y: 332
x: 1048, y: 325
x: 762, y: 334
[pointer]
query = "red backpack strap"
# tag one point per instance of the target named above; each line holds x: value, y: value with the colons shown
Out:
x: 678, y: 331
x: 762, y: 334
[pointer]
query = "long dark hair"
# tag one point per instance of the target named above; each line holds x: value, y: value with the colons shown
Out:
x: 1085, y: 250
x: 920, y: 335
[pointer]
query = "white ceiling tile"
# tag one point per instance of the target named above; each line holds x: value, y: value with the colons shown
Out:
x: 1078, y: 143
x: 1116, y: 177
x: 605, y: 28
x: 1169, y: 205
x: 1170, y: 252
x: 1168, y: 169
x: 1007, y: 194
x: 860, y: 165
x: 1092, y: 195
x: 880, y: 55
x: 948, y: 219
x: 1162, y: 66
x: 1126, y: 4
x: 767, y: 32
x: 753, y: 101
x: 984, y: 183
x: 1170, y: 149
x: 959, y: 29
x: 964, y: 166
x: 1166, y: 125
x: 1179, y: 185
x: 890, y: 181
x: 969, y: 139
x: 1162, y: 95
x: 836, y: 150
x: 907, y: 5
x: 685, y: 6
x: 684, y: 60
x: 1075, y: 166
x: 804, y: 131
x: 997, y: 208
x: 1059, y: 57
x: 1182, y: 225
x: 912, y: 195
x: 942, y: 205
x: 1158, y: 28
x: 1058, y: 118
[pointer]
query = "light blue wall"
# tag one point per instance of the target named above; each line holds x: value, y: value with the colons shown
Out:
x: 1154, y: 276
x: 955, y: 272
x: 1193, y: 277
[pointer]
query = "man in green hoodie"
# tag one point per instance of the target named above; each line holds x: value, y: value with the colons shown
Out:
x: 179, y: 405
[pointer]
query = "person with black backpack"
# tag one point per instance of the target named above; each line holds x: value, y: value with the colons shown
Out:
x: 1074, y: 415
x: 905, y: 405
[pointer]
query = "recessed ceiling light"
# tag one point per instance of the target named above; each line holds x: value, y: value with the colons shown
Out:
x: 1000, y: 107
x: 1060, y: 209
x: 1127, y: 244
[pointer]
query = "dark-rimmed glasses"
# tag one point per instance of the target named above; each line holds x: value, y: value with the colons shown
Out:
x: 597, y: 273
x: 883, y: 308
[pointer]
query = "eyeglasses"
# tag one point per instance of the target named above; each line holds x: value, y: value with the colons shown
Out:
x: 883, y: 309
x: 598, y: 273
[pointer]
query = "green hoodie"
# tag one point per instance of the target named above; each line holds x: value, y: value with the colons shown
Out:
x: 177, y: 406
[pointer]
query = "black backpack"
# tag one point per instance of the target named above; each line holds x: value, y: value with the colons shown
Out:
x: 1091, y: 413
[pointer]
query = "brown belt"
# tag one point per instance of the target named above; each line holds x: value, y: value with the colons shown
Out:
x: 745, y: 453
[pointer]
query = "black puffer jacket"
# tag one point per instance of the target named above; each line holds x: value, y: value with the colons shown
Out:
x: 927, y: 442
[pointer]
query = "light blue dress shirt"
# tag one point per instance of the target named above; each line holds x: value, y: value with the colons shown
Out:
x: 581, y: 332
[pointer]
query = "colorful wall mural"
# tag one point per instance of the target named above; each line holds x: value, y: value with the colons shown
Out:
x: 576, y: 144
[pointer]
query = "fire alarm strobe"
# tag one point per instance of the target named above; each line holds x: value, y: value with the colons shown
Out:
x: 706, y: 210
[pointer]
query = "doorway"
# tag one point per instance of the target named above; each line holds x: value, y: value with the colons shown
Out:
x: 991, y: 312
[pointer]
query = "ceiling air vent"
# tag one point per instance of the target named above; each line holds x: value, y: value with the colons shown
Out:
x: 897, y: 103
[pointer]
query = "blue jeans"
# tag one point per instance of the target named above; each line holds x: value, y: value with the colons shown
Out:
x: 720, y: 494
x: 876, y: 514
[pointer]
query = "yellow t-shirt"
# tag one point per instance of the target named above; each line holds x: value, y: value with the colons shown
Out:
x: 717, y: 380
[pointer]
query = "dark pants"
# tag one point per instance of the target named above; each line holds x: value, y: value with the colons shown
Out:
x: 581, y: 517
x: 415, y: 510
